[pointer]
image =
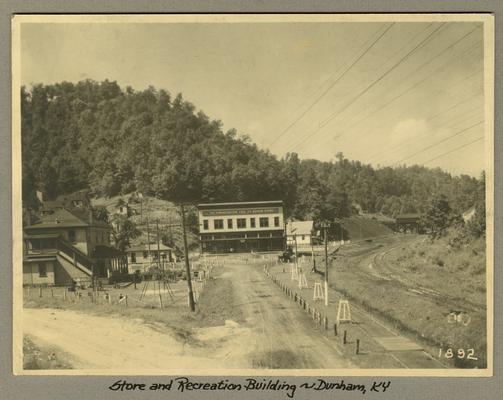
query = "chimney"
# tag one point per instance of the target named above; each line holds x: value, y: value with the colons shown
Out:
x: 28, y: 216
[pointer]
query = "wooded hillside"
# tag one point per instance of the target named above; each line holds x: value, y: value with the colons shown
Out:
x: 111, y: 140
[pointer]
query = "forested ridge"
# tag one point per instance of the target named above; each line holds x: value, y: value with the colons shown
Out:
x: 109, y: 140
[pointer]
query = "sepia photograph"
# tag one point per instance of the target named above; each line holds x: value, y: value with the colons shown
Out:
x: 253, y: 194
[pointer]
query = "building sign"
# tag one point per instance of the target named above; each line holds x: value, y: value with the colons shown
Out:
x: 246, y: 211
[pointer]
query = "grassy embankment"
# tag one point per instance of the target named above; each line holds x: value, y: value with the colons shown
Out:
x: 43, y: 357
x: 416, y: 284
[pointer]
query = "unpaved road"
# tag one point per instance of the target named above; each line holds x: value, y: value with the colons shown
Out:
x: 275, y: 334
x: 95, y: 342
x: 283, y: 336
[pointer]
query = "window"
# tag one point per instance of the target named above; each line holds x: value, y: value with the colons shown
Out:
x: 241, y: 222
x: 229, y: 223
x: 276, y: 221
x: 264, y: 222
x: 71, y: 236
x: 205, y: 225
x: 133, y: 257
x: 252, y: 222
x: 303, y: 237
x: 218, y: 224
x: 42, y: 270
x: 145, y: 254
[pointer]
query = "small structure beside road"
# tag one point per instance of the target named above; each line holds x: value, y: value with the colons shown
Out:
x: 300, y: 234
x: 141, y: 257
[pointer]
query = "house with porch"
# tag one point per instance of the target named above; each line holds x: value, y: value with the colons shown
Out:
x: 68, y: 245
x: 142, y: 257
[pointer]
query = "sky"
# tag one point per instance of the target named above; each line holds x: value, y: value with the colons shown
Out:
x: 379, y: 92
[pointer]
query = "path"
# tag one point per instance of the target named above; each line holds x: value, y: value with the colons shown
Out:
x: 275, y: 334
x: 283, y: 336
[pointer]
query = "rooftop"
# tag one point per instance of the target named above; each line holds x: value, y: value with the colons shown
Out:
x: 144, y: 247
x: 63, y: 218
x: 299, y: 227
x: 409, y: 216
x: 242, y: 204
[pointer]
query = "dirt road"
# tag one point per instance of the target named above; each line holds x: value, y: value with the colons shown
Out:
x: 282, y: 336
x: 95, y: 342
x: 273, y: 334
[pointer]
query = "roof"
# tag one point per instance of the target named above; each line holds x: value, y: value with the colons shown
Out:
x: 409, y: 216
x: 299, y: 227
x: 50, y: 205
x: 64, y: 218
x: 42, y: 236
x: 240, y: 204
x: 144, y: 247
x: 101, y: 251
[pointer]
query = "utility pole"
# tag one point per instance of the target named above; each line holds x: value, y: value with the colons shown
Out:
x: 158, y: 245
x: 296, y: 254
x: 140, y: 195
x: 325, y: 228
x: 148, y: 244
x: 187, y: 265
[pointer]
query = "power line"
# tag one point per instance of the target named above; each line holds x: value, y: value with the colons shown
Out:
x: 320, y: 88
x: 422, y: 80
x: 439, y: 142
x: 381, y: 77
x: 454, y: 150
x: 464, y: 117
x: 284, y: 131
x: 443, y: 112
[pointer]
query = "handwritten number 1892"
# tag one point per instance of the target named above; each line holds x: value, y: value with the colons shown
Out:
x: 460, y: 353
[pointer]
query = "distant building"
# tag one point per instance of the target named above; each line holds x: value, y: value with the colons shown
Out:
x: 300, y: 233
x: 409, y: 222
x: 65, y: 246
x: 469, y: 214
x: 139, y: 260
x: 123, y: 209
x: 241, y: 227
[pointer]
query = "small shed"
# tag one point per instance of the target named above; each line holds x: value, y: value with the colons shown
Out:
x: 409, y: 222
x: 299, y: 233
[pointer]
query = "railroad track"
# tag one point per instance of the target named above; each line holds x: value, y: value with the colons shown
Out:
x: 379, y: 265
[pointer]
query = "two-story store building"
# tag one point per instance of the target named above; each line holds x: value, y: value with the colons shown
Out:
x: 241, y: 227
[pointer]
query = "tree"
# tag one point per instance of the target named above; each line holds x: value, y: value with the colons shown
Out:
x: 477, y: 225
x: 438, y: 216
x: 124, y: 230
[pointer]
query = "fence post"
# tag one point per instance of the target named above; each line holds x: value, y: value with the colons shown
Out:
x: 52, y: 292
x: 64, y: 295
x: 40, y: 291
x: 344, y: 339
x: 126, y: 300
x: 335, y: 329
x: 325, y: 323
x: 357, y: 346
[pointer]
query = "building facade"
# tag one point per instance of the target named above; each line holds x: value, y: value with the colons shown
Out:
x: 67, y: 246
x: 142, y: 257
x: 299, y: 234
x: 241, y: 227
